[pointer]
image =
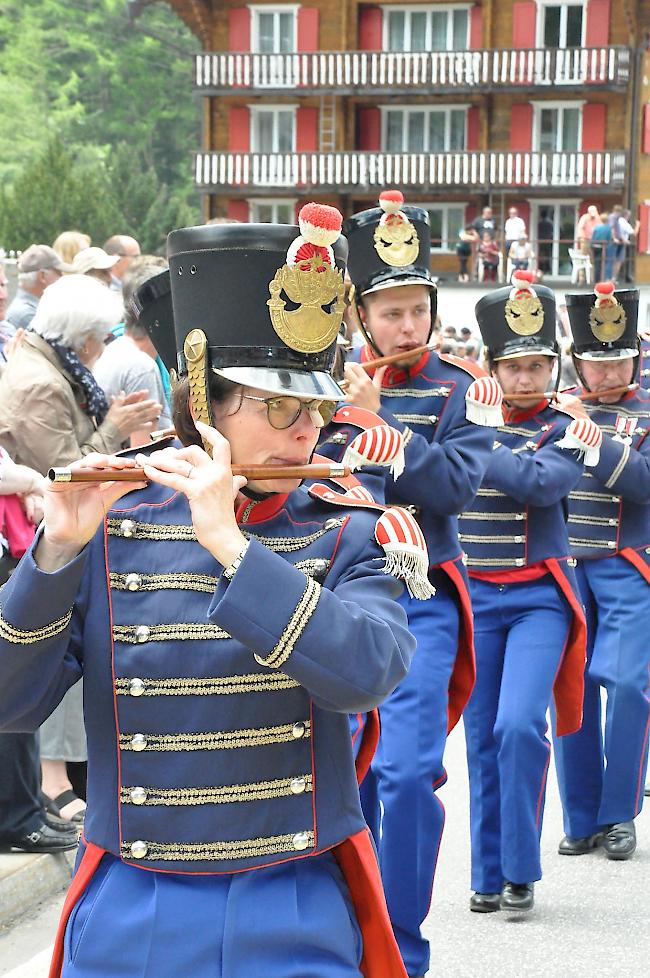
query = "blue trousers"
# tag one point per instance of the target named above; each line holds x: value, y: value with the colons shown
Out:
x: 601, y: 777
x: 289, y: 921
x: 520, y: 634
x: 407, y: 770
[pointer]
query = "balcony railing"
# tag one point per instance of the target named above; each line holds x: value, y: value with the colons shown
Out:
x: 350, y: 72
x: 359, y: 172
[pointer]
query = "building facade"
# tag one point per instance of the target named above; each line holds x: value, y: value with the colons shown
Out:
x: 537, y: 104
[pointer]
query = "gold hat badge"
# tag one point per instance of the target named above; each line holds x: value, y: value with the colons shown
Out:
x: 607, y: 317
x: 396, y: 240
x: 524, y: 311
x: 307, y: 293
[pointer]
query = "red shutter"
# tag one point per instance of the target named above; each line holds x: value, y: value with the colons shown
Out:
x: 369, y: 133
x: 239, y: 23
x: 471, y: 211
x: 523, y: 209
x: 646, y: 128
x: 308, y: 29
x: 597, y: 29
x: 593, y: 126
x: 370, y: 29
x: 644, y: 232
x: 476, y: 28
x: 306, y: 129
x: 473, y: 122
x: 524, y: 23
x: 238, y: 210
x: 239, y: 130
x: 521, y: 127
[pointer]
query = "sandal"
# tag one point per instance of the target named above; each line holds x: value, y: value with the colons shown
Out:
x: 65, y: 798
x: 50, y: 807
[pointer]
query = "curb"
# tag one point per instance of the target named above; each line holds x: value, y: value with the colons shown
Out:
x: 26, y: 879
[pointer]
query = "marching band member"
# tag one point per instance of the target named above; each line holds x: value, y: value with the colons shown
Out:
x: 529, y: 627
x: 224, y: 630
x: 444, y: 458
x: 601, y: 774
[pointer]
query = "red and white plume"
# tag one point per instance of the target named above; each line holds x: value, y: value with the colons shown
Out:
x: 483, y: 402
x: 584, y: 435
x: 522, y: 281
x: 391, y: 202
x: 380, y: 445
x: 320, y: 226
x: 407, y: 556
x: 604, y: 292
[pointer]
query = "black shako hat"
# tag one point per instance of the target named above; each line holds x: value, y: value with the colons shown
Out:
x: 390, y: 245
x: 151, y: 305
x: 517, y: 321
x: 604, y: 322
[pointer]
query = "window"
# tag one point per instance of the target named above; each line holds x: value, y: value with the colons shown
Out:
x: 424, y: 130
x: 272, y: 129
x: 561, y: 25
x: 274, y: 29
x: 558, y: 128
x: 426, y: 28
x: 446, y: 222
x: 272, y: 211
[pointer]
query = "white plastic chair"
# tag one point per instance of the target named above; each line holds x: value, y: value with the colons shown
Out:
x: 580, y: 263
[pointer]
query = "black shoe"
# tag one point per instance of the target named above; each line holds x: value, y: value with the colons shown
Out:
x: 61, y: 825
x: 578, y: 847
x: 485, y: 902
x: 518, y: 896
x: 620, y: 840
x: 44, y: 839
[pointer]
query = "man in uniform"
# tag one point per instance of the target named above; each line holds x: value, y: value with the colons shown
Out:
x: 426, y: 398
x: 601, y: 776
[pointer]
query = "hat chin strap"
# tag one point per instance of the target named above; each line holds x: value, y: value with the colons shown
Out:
x: 368, y: 336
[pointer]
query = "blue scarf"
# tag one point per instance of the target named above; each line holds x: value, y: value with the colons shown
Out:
x: 96, y: 405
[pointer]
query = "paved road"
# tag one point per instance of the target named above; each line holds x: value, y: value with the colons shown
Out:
x: 590, y: 917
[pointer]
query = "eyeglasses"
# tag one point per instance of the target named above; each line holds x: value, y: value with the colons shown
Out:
x: 284, y: 411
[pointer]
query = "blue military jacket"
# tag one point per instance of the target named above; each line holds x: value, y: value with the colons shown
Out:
x: 609, y: 511
x: 216, y: 712
x: 518, y: 517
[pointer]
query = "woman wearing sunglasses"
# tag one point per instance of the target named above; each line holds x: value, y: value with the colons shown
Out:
x: 224, y: 631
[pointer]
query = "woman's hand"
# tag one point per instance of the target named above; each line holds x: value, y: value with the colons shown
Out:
x: 210, y: 487
x: 74, y: 510
x: 361, y: 389
x: 133, y: 412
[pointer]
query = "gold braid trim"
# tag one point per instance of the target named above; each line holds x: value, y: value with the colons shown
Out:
x: 182, y: 632
x: 614, y: 477
x: 160, y: 582
x: 254, y: 682
x: 239, y: 849
x: 281, y: 788
x: 471, y: 514
x: 588, y: 496
x: 289, y: 544
x: 495, y: 562
x: 491, y: 492
x: 594, y: 544
x: 478, y: 538
x: 295, y: 626
x: 218, y: 739
x: 407, y: 434
x: 415, y: 418
x: 27, y: 636
x: 410, y: 392
x: 153, y: 531
x: 594, y: 520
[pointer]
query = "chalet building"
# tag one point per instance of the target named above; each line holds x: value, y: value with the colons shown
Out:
x: 539, y: 104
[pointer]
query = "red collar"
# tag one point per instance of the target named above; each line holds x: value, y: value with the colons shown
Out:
x: 517, y: 414
x: 254, y: 511
x: 395, y: 375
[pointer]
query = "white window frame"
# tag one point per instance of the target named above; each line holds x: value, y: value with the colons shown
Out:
x: 258, y: 108
x: 407, y: 109
x: 428, y: 9
x: 281, y: 8
x: 541, y: 4
x: 446, y: 246
x: 537, y: 122
x: 273, y: 202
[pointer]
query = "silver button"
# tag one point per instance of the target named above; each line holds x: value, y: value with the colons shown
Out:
x: 330, y: 524
x: 520, y: 516
x: 464, y: 559
x: 339, y: 438
x: 433, y: 418
x: 616, y: 499
x: 613, y: 522
x: 320, y: 566
x: 298, y: 730
x: 127, y: 528
x: 519, y: 539
x: 133, y: 582
x: 572, y: 562
x: 611, y: 544
x: 138, y: 796
x: 545, y: 427
x: 142, y: 633
x: 519, y: 562
x: 139, y: 849
x: 531, y: 444
x: 138, y: 742
x: 647, y: 550
x: 136, y: 687
x: 301, y: 840
x: 297, y: 786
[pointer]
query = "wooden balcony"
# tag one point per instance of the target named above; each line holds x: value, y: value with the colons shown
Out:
x: 360, y: 172
x: 399, y: 73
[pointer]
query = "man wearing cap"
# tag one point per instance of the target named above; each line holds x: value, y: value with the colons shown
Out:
x: 601, y: 773
x: 428, y: 398
x: 529, y: 627
x: 94, y: 262
x: 38, y: 267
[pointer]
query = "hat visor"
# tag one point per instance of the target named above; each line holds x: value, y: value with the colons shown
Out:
x: 602, y: 356
x: 395, y: 283
x: 516, y: 352
x: 305, y: 384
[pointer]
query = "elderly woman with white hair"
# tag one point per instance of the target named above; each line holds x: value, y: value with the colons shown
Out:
x: 52, y: 411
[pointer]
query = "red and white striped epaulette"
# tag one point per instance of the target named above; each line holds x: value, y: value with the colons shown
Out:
x: 376, y: 444
x: 396, y: 532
